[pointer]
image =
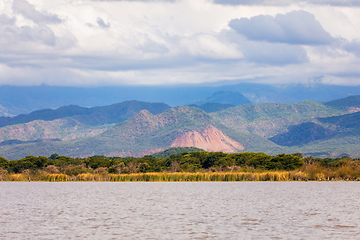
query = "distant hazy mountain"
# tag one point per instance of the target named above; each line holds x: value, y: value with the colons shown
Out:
x: 138, y: 128
x: 70, y: 122
x: 225, y: 97
x: 114, y: 113
x: 4, y: 111
x: 19, y: 100
x: 213, y: 107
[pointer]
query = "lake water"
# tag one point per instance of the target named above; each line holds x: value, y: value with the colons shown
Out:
x: 185, y: 210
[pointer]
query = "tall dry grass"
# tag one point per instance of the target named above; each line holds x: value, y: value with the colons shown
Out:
x: 56, y: 178
x: 309, y: 172
x: 208, y: 176
x: 350, y: 171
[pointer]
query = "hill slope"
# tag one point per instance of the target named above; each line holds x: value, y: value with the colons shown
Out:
x: 330, y: 136
x: 114, y: 113
x: 309, y: 127
x: 213, y: 107
x: 270, y: 119
x: 62, y: 129
x: 302, y: 134
x: 176, y: 127
x: 225, y: 97
x: 145, y: 134
x: 350, y: 104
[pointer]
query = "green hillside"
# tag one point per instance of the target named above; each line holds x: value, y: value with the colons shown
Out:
x: 302, y: 134
x: 309, y: 127
x: 173, y: 151
x: 332, y: 136
x: 347, y: 104
x: 270, y: 119
x: 331, y: 127
x: 91, y: 116
x: 333, y: 147
x: 227, y: 97
x: 145, y: 131
x: 143, y: 134
x: 213, y: 107
x: 347, y: 121
x: 63, y: 129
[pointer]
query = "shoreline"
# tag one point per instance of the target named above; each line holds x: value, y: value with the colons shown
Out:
x: 273, y: 176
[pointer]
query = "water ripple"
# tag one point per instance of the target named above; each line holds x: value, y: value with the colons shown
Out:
x: 238, y: 210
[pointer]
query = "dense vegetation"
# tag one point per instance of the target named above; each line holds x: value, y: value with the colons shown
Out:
x: 344, y: 103
x: 175, y: 151
x: 193, y: 166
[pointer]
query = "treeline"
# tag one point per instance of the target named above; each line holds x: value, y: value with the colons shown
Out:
x: 233, y: 167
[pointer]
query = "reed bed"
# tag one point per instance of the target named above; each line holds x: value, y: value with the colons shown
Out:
x: 340, y: 174
x: 56, y: 178
x: 18, y: 177
x: 229, y: 176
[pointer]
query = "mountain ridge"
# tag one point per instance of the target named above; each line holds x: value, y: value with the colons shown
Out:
x: 15, y: 100
x: 92, y: 116
x: 308, y: 127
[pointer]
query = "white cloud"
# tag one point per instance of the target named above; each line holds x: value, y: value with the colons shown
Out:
x: 207, y: 46
x: 86, y: 42
x: 28, y: 11
x: 297, y: 27
x: 341, y: 80
x: 13, y: 37
x: 288, y: 2
x: 353, y: 47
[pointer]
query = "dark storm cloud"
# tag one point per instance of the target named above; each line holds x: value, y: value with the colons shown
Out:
x: 28, y: 11
x: 297, y: 27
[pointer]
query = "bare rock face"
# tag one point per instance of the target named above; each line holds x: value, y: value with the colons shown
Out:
x: 211, y: 139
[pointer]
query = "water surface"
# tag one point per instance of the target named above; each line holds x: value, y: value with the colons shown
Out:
x: 180, y: 210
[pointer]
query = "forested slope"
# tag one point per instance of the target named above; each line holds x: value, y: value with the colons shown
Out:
x: 138, y: 129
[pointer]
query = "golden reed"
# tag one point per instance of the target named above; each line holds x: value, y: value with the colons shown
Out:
x: 341, y: 173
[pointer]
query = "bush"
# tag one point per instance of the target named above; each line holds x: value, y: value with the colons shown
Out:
x: 72, y: 170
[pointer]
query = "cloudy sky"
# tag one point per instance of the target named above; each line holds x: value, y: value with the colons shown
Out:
x: 156, y: 42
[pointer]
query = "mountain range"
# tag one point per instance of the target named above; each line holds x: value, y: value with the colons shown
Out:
x: 15, y: 100
x: 135, y: 128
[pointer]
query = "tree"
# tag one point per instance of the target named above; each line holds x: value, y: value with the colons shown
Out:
x: 4, y: 162
x: 53, y: 156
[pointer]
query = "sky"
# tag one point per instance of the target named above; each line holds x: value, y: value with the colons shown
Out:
x: 169, y: 42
